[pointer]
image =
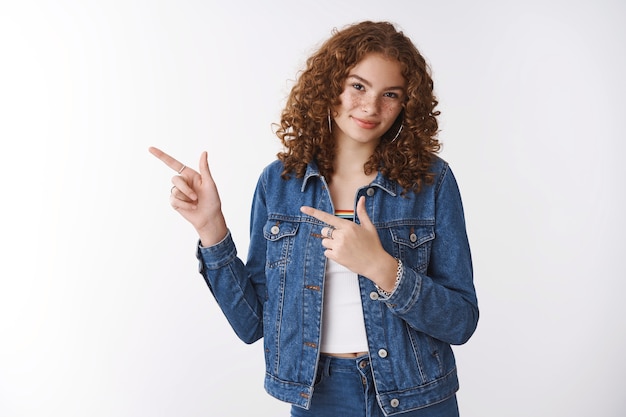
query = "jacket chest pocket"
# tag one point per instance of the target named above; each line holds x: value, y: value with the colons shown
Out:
x: 279, y: 236
x: 413, y: 244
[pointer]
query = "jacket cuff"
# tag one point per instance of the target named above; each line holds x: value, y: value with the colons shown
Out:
x: 407, y: 292
x: 218, y: 255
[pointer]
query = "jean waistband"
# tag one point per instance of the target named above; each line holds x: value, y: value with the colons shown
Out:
x: 347, y: 364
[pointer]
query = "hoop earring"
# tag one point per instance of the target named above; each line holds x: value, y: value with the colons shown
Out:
x: 397, y: 134
x: 330, y: 122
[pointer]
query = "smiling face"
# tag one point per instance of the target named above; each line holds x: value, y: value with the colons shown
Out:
x: 372, y: 99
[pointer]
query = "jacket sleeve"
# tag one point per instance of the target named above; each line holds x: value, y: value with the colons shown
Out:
x: 239, y: 288
x: 442, y: 303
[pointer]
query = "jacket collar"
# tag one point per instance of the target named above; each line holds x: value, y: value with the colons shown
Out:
x: 391, y: 187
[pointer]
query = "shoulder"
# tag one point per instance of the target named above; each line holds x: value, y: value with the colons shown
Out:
x: 439, y: 166
x: 272, y: 176
x: 441, y: 174
x: 272, y: 170
x: 274, y: 166
x: 444, y: 179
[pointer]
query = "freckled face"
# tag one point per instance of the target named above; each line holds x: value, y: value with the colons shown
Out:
x: 372, y: 99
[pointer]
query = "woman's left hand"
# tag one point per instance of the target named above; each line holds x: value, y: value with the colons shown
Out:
x: 356, y: 246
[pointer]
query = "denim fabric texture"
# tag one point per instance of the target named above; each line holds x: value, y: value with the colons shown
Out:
x: 277, y: 294
x: 344, y: 387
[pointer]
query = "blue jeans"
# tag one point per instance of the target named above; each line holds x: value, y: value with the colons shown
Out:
x: 344, y: 387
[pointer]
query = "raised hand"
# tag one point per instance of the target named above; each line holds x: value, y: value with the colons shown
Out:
x: 194, y: 195
x: 357, y: 247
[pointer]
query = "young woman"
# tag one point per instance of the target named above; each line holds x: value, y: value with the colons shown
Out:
x: 359, y: 275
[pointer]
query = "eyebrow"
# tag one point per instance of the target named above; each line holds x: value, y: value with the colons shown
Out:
x: 368, y: 84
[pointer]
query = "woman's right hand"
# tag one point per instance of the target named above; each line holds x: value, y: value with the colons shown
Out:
x: 194, y: 195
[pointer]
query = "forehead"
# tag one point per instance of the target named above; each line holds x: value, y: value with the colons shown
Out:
x: 379, y: 70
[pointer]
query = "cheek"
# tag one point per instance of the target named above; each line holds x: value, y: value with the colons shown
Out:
x: 391, y: 110
x: 349, y: 101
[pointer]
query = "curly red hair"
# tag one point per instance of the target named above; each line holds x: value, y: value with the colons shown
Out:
x: 304, y: 129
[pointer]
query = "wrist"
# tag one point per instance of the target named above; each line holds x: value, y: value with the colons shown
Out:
x: 212, y: 233
x: 388, y: 290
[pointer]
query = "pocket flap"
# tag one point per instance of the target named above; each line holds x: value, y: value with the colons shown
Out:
x: 278, y: 229
x: 411, y: 235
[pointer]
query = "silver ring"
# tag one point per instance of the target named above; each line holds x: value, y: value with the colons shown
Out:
x: 181, y: 170
x: 172, y: 189
x: 329, y: 232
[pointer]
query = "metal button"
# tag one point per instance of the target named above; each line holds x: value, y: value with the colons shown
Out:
x: 394, y: 402
x: 413, y: 237
x: 363, y: 363
x: 370, y: 192
x: 275, y: 230
x: 382, y: 353
x: 374, y: 295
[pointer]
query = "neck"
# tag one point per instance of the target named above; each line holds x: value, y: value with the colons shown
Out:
x: 350, y: 157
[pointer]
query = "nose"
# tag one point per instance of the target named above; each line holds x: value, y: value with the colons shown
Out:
x: 370, y: 104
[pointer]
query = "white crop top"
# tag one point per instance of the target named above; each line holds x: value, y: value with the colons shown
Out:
x: 343, y: 328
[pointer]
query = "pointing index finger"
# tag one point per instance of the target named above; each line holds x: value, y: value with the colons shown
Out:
x: 166, y: 159
x: 321, y: 215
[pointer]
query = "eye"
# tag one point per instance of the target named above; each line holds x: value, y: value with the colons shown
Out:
x: 358, y: 86
x: 391, y: 95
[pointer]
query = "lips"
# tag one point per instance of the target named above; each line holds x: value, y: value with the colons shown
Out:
x: 365, y: 124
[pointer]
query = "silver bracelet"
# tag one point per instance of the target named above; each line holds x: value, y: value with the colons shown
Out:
x: 395, y: 285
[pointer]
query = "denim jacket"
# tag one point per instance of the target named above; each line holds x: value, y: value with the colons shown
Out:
x: 277, y: 294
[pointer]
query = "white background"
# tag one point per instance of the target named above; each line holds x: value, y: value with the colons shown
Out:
x: 102, y: 311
